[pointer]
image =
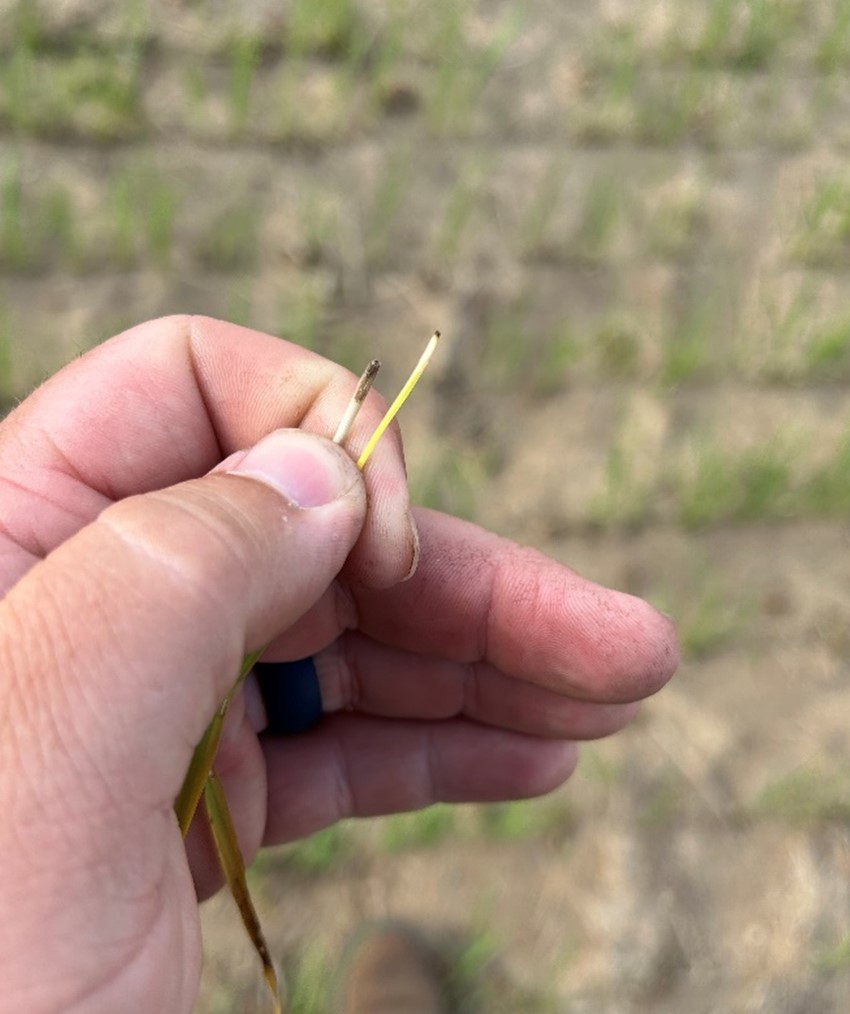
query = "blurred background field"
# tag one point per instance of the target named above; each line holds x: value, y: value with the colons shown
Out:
x: 631, y: 220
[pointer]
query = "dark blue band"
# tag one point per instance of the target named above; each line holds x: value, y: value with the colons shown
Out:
x: 291, y: 695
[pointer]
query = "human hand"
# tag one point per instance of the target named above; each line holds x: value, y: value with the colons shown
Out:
x: 132, y: 589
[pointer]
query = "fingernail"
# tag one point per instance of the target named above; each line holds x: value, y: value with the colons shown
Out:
x: 414, y: 535
x: 308, y: 470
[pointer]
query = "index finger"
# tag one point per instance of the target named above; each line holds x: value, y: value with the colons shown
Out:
x: 477, y: 597
x: 165, y: 402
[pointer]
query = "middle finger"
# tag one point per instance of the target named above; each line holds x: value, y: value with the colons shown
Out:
x: 359, y: 674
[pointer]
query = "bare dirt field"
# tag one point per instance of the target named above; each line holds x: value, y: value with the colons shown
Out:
x: 632, y: 223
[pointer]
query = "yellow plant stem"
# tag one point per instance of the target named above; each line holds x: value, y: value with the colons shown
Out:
x: 202, y: 759
x: 201, y: 779
x: 233, y: 867
x: 403, y: 395
x: 204, y: 755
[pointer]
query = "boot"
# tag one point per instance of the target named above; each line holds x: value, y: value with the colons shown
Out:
x: 388, y: 970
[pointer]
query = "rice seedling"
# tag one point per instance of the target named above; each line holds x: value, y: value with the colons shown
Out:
x: 201, y: 781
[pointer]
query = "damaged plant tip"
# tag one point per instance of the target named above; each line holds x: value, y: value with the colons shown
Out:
x: 364, y: 386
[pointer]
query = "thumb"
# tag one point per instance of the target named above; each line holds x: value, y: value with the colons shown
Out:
x: 116, y: 649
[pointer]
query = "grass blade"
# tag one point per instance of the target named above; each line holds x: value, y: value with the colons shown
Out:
x: 202, y: 759
x: 403, y: 395
x: 233, y: 866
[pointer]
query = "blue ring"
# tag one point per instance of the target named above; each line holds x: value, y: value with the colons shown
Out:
x: 291, y: 695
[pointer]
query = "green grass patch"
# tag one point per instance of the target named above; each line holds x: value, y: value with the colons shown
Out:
x: 460, y: 207
x: 468, y: 972
x: 452, y: 482
x: 325, y: 850
x: 617, y: 347
x: 24, y: 28
x: 525, y: 819
x: 536, y: 239
x: 390, y: 83
x: 39, y: 225
x: 124, y: 219
x: 827, y: 491
x: 670, y: 111
x: 690, y: 348
x: 507, y: 353
x: 309, y: 982
x: 94, y: 94
x: 828, y: 351
x: 558, y: 352
x: 60, y: 227
x: 24, y: 24
x: 762, y: 484
x: 461, y: 69
x: 301, y: 315
x: 626, y: 498
x: 823, y: 236
x: 744, y: 35
x: 519, y: 356
x: 244, y: 60
x: 600, y: 221
x: 231, y: 242
x: 676, y: 224
x: 710, y: 616
x: 710, y: 625
x: 597, y: 766
x: 686, y: 356
x: 665, y: 801
x: 239, y: 308
x: 142, y: 206
x: 833, y: 53
x: 806, y: 797
x: 7, y: 342
x: 723, y: 486
x: 195, y: 87
x: 319, y: 225
x: 42, y: 227
x: 386, y: 204
x: 800, y: 344
x: 775, y: 352
x: 328, y: 28
x: 648, y: 106
x: 423, y: 829
x: 313, y: 106
x: 477, y: 982
x: 19, y: 248
x: 834, y: 959
x: 607, y: 112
